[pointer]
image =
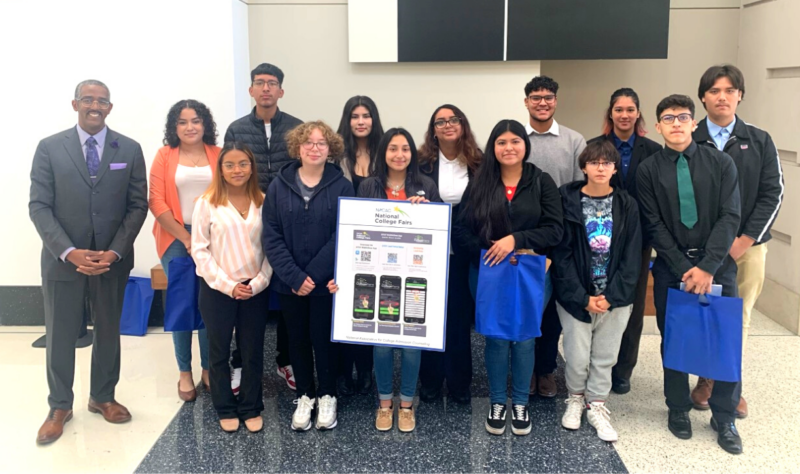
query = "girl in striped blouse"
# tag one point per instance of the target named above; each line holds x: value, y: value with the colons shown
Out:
x: 226, y: 247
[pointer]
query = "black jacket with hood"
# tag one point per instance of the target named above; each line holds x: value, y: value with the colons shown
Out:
x: 299, y: 237
x: 572, y: 258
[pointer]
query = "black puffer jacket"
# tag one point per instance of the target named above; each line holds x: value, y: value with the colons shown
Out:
x: 271, y: 157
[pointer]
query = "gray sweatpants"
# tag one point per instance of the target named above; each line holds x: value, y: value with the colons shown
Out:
x: 591, y: 350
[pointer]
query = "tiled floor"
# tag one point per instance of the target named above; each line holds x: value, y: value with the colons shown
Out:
x: 168, y: 436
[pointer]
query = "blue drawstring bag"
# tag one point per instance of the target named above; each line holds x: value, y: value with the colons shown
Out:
x: 182, y: 312
x: 510, y: 298
x: 703, y: 335
x: 136, y: 307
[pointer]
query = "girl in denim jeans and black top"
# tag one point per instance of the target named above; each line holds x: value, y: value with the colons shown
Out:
x: 509, y: 205
x: 397, y: 178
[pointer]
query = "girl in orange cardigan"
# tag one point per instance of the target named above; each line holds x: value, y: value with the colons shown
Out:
x: 181, y: 172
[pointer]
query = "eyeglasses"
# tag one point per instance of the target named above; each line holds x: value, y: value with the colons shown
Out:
x: 548, y: 99
x: 244, y: 165
x: 320, y: 145
x: 682, y: 118
x: 271, y: 84
x: 88, y: 101
x: 600, y: 164
x: 441, y: 123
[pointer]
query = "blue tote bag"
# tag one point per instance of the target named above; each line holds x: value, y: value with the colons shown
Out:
x: 510, y: 298
x: 182, y: 312
x: 704, y: 337
x: 136, y: 307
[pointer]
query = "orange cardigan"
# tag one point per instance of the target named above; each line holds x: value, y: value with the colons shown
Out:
x: 164, y: 192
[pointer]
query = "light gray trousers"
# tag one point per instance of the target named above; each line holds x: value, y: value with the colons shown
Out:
x: 591, y: 350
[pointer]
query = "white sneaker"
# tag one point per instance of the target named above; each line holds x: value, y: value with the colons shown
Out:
x: 236, y: 380
x: 301, y: 420
x: 599, y: 417
x: 287, y: 374
x: 572, y: 417
x: 326, y: 413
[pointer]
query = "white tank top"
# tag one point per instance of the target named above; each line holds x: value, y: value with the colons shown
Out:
x: 191, y: 182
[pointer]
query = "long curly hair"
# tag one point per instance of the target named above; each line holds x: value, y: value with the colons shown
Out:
x: 171, y: 129
x: 468, y: 151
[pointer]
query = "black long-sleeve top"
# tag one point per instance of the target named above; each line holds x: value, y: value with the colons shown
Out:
x: 716, y: 191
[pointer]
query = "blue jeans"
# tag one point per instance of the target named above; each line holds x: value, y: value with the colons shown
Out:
x: 183, y: 339
x: 523, y: 357
x: 384, y: 372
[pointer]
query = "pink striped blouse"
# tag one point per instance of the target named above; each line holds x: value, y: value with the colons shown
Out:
x: 227, y: 248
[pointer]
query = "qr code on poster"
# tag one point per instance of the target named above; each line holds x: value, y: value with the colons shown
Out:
x: 391, y: 258
x: 366, y: 256
x: 417, y: 259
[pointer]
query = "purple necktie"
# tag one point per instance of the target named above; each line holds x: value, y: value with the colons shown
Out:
x: 92, y: 157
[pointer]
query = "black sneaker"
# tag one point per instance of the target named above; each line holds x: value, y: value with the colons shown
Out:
x: 496, y: 421
x: 520, y: 420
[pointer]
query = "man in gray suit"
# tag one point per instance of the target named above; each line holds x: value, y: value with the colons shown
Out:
x: 88, y: 202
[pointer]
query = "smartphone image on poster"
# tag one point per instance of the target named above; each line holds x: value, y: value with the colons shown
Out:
x: 416, y: 291
x: 389, y: 307
x: 364, y: 296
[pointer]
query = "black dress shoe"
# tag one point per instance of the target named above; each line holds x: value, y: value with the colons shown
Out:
x: 429, y: 395
x: 344, y: 386
x: 461, y: 398
x: 679, y: 424
x: 620, y: 386
x: 728, y: 436
x: 364, y: 383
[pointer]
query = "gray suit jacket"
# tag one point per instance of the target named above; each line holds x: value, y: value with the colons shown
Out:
x: 68, y: 210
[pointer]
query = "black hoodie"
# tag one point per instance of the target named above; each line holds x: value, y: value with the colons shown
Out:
x: 299, y: 238
x: 572, y: 258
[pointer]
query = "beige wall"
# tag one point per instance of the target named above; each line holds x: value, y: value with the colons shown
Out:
x: 698, y: 38
x: 769, y: 56
x: 310, y: 44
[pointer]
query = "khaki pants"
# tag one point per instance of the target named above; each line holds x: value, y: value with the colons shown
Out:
x: 750, y: 280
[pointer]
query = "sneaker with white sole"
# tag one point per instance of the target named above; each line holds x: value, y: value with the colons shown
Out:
x: 496, y: 421
x: 236, y: 380
x: 301, y: 420
x: 520, y: 420
x: 326, y: 413
x: 572, y: 417
x: 599, y: 417
x: 287, y: 374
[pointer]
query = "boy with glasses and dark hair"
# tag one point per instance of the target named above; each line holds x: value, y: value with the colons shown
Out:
x: 760, y: 183
x: 689, y: 196
x: 555, y: 150
x: 264, y: 131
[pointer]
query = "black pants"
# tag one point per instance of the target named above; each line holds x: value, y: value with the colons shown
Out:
x: 629, y: 348
x: 308, y: 323
x: 282, y: 345
x: 358, y: 354
x: 547, y: 344
x: 64, y: 304
x: 221, y: 315
x: 455, y: 363
x: 725, y: 395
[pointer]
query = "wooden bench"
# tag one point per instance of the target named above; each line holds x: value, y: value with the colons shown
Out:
x: 158, y: 279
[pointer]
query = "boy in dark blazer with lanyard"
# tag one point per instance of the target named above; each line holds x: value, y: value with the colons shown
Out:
x: 88, y: 202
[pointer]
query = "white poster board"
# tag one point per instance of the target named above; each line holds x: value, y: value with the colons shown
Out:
x: 391, y: 267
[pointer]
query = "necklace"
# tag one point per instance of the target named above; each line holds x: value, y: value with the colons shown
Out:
x: 241, y: 213
x: 194, y: 162
x: 396, y: 189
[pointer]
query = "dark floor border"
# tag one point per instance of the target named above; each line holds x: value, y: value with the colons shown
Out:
x: 24, y: 306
